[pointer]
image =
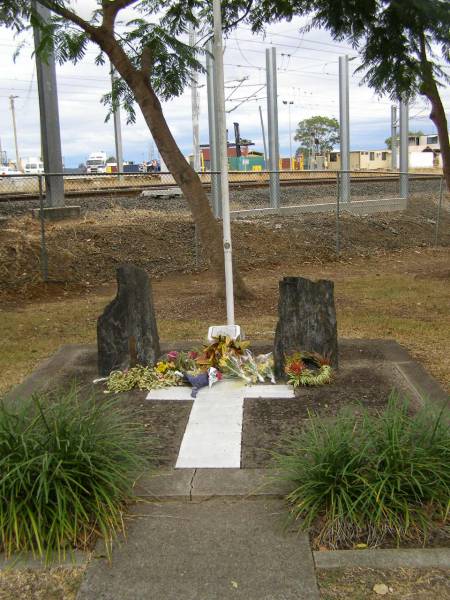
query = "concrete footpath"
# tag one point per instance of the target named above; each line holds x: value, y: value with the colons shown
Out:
x: 216, y: 549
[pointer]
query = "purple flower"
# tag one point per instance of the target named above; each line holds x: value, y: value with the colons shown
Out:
x: 172, y: 355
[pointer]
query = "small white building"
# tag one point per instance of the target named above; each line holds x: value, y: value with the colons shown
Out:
x: 368, y: 160
x: 424, y: 151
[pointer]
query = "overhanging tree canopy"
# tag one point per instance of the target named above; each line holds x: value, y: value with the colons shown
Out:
x: 404, y: 45
x: 152, y: 62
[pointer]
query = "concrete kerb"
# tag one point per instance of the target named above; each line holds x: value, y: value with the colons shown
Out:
x: 200, y: 484
x: 395, y: 558
x: 71, y: 560
x: 57, y: 213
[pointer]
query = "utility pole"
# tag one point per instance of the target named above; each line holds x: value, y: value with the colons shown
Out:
x: 263, y: 136
x: 213, y: 132
x: 13, y: 113
x: 117, y: 127
x: 289, y: 104
x: 404, y: 162
x: 272, y: 112
x: 49, y: 117
x: 195, y: 100
x: 394, y: 145
x: 344, y: 125
x: 223, y: 154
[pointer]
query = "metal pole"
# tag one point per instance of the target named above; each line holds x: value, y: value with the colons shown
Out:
x: 195, y: 102
x: 49, y: 116
x: 404, y: 166
x: 44, y: 256
x: 344, y: 124
x: 438, y: 213
x: 272, y: 113
x: 117, y: 129
x: 338, y: 192
x: 394, y: 147
x: 13, y: 112
x: 223, y: 154
x: 213, y: 130
x: 264, y: 136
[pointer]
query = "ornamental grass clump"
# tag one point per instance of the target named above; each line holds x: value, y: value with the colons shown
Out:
x: 369, y: 478
x: 67, y: 470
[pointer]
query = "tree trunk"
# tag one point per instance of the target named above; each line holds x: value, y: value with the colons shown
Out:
x: 188, y: 180
x: 430, y: 90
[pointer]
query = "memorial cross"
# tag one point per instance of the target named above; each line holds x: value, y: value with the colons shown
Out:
x: 213, y: 434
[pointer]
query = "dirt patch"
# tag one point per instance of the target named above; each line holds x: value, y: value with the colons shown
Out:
x: 165, y: 421
x: 267, y: 421
x: 85, y: 252
x: 402, y: 584
x: 40, y: 584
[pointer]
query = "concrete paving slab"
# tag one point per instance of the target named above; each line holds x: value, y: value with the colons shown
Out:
x: 422, y: 384
x: 196, y: 484
x: 170, y: 483
x: 237, y: 482
x: 215, y: 550
x: 214, y: 430
x: 413, y: 558
x: 180, y: 392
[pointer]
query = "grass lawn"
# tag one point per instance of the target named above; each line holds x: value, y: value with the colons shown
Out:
x: 403, y: 296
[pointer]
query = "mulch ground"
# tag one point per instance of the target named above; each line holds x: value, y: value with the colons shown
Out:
x: 402, y: 584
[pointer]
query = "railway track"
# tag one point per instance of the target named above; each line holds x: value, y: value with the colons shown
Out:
x: 17, y: 196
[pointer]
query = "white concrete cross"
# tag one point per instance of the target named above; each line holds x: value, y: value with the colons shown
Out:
x: 213, y: 434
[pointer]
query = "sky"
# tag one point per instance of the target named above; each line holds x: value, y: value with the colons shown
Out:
x: 307, y: 75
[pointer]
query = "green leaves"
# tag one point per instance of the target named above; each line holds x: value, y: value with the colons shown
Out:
x: 318, y: 132
x: 367, y: 477
x: 67, y: 468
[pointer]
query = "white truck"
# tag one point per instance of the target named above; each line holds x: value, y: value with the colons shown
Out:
x: 96, y: 163
x: 33, y: 165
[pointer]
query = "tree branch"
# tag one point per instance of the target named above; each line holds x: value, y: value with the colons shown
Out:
x: 146, y: 61
x: 110, y: 10
x: 68, y: 14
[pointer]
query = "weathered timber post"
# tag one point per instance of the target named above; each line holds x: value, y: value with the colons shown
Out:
x: 306, y: 320
x: 126, y: 331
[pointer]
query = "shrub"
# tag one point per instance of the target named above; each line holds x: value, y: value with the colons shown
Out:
x: 368, y: 477
x: 67, y: 468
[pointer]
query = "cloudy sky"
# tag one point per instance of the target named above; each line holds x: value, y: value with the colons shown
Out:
x: 307, y: 68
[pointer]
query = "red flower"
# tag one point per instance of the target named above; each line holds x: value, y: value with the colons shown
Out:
x: 172, y: 355
x: 295, y: 367
x: 219, y: 375
x: 192, y: 355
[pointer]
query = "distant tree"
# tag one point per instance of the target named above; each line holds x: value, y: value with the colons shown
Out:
x: 151, y: 62
x: 111, y: 159
x: 388, y: 141
x: 301, y: 150
x: 82, y: 167
x: 404, y: 45
x: 318, y: 134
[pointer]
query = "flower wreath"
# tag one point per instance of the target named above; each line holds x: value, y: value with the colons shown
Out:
x: 308, y: 368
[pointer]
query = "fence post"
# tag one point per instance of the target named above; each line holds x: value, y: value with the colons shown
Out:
x: 44, y: 255
x: 438, y: 213
x: 338, y: 191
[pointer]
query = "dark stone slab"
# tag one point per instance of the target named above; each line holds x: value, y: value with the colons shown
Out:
x: 306, y: 320
x: 126, y: 331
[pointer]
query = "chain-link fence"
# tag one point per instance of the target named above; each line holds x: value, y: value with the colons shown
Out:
x: 354, y: 212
